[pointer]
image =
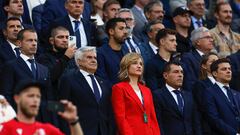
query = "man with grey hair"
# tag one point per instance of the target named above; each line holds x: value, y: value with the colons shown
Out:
x: 154, y: 10
x: 203, y: 43
x: 89, y: 93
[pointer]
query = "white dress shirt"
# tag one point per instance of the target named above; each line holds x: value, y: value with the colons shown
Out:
x: 26, y: 58
x: 171, y: 89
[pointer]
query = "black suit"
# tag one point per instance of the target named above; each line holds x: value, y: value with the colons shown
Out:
x: 95, y: 117
x: 170, y: 119
x: 6, y: 53
x: 17, y: 70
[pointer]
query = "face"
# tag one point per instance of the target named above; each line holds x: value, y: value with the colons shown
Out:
x: 128, y: 17
x: 136, y: 68
x: 205, y: 44
x: 75, y: 8
x: 28, y: 101
x: 142, y: 3
x: 15, y: 8
x: 197, y: 7
x: 28, y: 45
x: 119, y: 33
x: 88, y: 62
x: 13, y: 27
x: 111, y: 11
x: 169, y: 43
x: 223, y: 73
x: 210, y: 60
x: 183, y: 20
x: 154, y: 30
x: 60, y: 41
x: 224, y: 15
x: 156, y: 12
x: 174, y: 77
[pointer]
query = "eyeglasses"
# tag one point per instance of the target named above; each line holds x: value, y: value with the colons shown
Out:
x: 206, y: 37
x: 128, y: 19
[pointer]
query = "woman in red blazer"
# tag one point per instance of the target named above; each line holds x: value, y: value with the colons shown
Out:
x: 132, y: 101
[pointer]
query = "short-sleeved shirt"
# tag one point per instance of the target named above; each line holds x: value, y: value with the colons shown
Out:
x: 15, y: 127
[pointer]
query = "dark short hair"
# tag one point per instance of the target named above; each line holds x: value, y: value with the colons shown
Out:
x: 215, y: 64
x: 6, y: 3
x: 27, y: 83
x: 151, y: 23
x: 219, y: 5
x: 167, y: 66
x: 20, y: 34
x: 108, y: 3
x: 56, y: 29
x: 150, y: 5
x: 11, y: 19
x: 112, y: 23
x: 164, y: 33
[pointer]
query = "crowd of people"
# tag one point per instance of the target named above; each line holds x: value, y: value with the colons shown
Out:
x: 125, y: 67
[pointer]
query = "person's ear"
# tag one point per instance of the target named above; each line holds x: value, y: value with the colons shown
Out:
x: 51, y: 40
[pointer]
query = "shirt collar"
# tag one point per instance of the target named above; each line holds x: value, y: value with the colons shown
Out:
x: 194, y: 19
x: 85, y: 73
x: 212, y: 79
x: 73, y: 19
x: 170, y: 88
x: 200, y: 52
x: 13, y: 46
x: 154, y: 48
x: 221, y: 85
x: 25, y: 57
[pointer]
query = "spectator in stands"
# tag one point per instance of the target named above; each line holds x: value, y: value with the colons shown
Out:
x: 59, y: 57
x: 97, y: 12
x: 175, y: 107
x: 221, y: 103
x: 25, y: 67
x: 9, y: 49
x: 110, y: 9
x: 109, y: 55
x: 27, y: 96
x: 235, y: 64
x: 90, y: 93
x: 132, y: 101
x: 139, y: 16
x: 82, y: 29
x: 197, y: 7
x: 205, y: 81
x: 151, y: 48
x: 132, y: 42
x: 182, y: 21
x: 154, y: 10
x: 226, y: 41
x: 166, y: 39
x: 202, y: 42
x: 15, y: 8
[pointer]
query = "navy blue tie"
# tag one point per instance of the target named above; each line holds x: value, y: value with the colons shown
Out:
x: 130, y: 45
x: 95, y: 88
x: 17, y: 51
x: 34, y: 71
x: 199, y: 24
x: 179, y: 99
x: 229, y: 94
x: 77, y: 32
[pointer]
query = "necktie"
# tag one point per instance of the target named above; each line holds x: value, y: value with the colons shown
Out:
x: 131, y: 47
x: 77, y: 32
x: 199, y: 23
x: 17, y: 51
x: 229, y: 94
x: 32, y: 61
x: 95, y: 88
x: 179, y: 99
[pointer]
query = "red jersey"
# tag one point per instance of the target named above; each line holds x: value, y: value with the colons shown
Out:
x: 14, y: 127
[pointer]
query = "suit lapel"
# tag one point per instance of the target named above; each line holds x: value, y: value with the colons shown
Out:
x: 133, y: 95
x: 8, y: 50
x: 68, y: 23
x: 171, y: 101
x: 103, y: 88
x: 187, y: 101
x: 86, y: 29
x: 24, y: 66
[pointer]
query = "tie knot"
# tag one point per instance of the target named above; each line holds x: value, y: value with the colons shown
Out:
x: 16, y: 48
x: 177, y: 92
x: 31, y: 60
x: 226, y: 87
x: 91, y: 75
x: 76, y: 22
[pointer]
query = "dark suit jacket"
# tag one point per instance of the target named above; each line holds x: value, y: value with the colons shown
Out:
x: 191, y: 66
x: 6, y: 53
x: 89, y: 28
x: 170, y: 119
x: 17, y: 70
x: 128, y: 110
x: 153, y: 73
x: 146, y: 52
x: 235, y: 64
x: 198, y: 89
x: 109, y: 62
x: 222, y: 117
x: 92, y: 115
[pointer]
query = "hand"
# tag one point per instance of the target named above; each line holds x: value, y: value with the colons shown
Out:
x: 70, y: 51
x: 70, y: 111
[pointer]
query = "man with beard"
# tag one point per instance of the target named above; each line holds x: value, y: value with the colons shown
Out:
x: 109, y: 55
x: 27, y: 95
x: 220, y: 102
x: 57, y: 59
x: 226, y: 41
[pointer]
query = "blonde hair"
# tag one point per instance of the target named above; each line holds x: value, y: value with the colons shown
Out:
x: 125, y: 63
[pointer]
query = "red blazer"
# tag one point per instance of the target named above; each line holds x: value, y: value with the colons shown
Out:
x: 128, y: 110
